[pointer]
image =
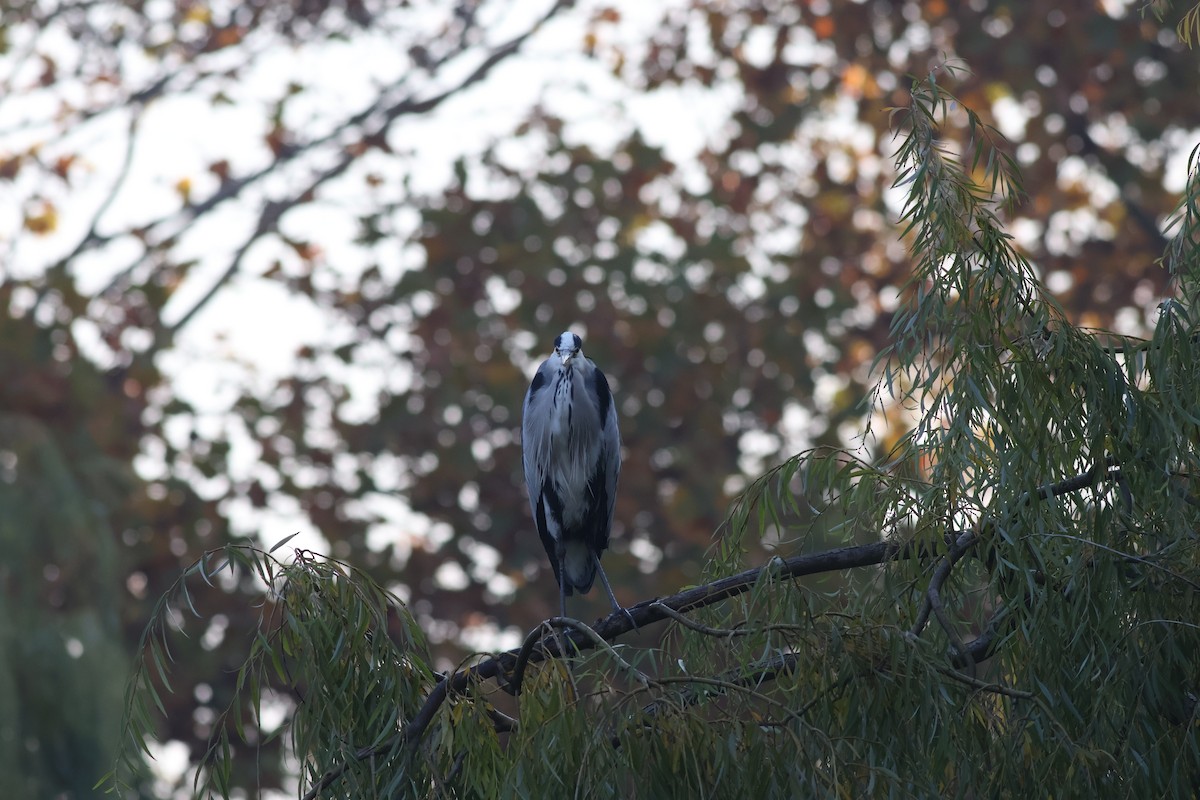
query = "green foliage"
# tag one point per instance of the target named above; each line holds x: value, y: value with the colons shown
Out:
x: 1069, y: 459
x: 62, y: 664
x: 1188, y: 28
x: 335, y: 655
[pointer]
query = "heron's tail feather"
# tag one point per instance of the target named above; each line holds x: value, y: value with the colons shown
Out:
x: 579, y: 568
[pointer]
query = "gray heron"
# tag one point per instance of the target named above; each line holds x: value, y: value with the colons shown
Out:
x: 571, y: 450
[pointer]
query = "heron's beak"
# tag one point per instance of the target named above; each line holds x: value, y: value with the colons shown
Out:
x: 566, y: 358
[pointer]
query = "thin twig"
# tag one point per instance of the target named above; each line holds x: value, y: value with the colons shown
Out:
x: 708, y: 630
x: 754, y: 674
x: 984, y: 686
x: 501, y: 722
x: 1126, y: 556
x: 729, y: 686
x: 600, y: 642
x: 536, y: 635
x: 93, y: 236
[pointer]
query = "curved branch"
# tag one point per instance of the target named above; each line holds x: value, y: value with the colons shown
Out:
x: 933, y: 599
x: 503, y: 666
x: 513, y: 685
x: 517, y: 675
x: 983, y: 646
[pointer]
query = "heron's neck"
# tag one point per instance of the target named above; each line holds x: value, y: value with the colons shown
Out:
x: 561, y: 412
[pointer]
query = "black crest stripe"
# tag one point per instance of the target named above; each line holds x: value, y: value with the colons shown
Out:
x: 603, y: 397
x: 539, y: 380
x: 595, y: 522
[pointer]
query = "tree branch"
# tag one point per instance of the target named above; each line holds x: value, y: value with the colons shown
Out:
x: 503, y: 666
x: 983, y: 646
x: 755, y: 674
x: 708, y: 630
x: 518, y: 672
x: 271, y: 214
x: 933, y: 600
x: 93, y: 236
x: 1124, y: 556
x: 1122, y: 173
x: 964, y: 654
x: 508, y: 667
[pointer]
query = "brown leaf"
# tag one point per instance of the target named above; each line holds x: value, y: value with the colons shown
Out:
x: 42, y: 221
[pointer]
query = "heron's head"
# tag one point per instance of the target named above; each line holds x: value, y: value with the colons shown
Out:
x: 568, y: 345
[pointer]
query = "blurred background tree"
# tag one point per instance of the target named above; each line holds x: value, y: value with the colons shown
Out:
x: 286, y: 266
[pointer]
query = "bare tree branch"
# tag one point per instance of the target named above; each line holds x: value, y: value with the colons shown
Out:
x: 1122, y: 173
x: 93, y: 237
x: 389, y: 113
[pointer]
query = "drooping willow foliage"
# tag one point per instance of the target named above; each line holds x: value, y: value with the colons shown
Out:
x: 1013, y: 611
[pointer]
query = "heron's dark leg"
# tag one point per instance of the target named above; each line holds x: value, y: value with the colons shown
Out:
x: 562, y: 581
x: 608, y: 588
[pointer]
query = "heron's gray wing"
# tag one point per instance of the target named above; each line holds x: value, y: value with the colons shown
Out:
x: 536, y: 457
x: 610, y: 450
x: 535, y: 439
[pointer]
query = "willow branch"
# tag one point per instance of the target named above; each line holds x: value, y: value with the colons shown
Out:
x: 984, y: 686
x: 1124, y: 556
x: 932, y: 603
x: 724, y: 633
x: 536, y: 635
x: 508, y: 667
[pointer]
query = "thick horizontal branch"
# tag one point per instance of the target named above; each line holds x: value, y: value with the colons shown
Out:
x: 617, y: 623
x: 649, y: 612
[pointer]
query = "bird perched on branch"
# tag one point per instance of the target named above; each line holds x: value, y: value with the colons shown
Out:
x: 571, y: 450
